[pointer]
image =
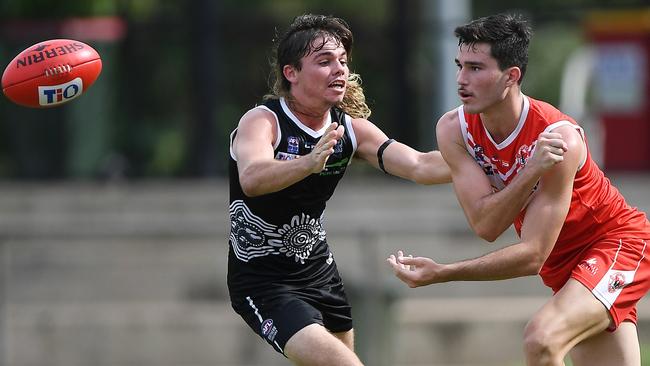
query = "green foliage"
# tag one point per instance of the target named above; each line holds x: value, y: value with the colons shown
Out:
x: 168, y: 153
x: 645, y: 354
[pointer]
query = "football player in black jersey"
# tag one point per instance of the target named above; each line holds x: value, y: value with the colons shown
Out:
x: 286, y: 158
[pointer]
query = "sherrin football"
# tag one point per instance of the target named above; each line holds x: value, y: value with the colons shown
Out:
x: 51, y: 73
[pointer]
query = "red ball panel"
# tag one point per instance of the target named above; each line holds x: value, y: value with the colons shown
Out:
x: 51, y: 73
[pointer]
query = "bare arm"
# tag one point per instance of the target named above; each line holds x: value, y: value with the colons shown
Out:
x: 399, y: 159
x: 259, y: 172
x: 544, y: 219
x: 490, y: 213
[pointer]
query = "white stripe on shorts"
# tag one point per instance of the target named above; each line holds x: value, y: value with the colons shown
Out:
x: 252, y: 305
x: 613, y: 282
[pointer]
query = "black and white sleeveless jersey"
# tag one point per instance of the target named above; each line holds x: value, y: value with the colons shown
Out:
x: 278, y: 239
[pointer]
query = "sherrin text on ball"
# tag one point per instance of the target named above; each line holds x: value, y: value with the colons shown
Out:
x: 51, y: 73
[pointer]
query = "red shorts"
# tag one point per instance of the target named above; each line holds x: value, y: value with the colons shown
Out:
x: 617, y: 272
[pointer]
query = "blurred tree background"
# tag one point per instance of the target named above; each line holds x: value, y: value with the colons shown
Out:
x: 177, y: 75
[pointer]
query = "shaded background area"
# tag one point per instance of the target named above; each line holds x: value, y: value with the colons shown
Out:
x: 113, y: 219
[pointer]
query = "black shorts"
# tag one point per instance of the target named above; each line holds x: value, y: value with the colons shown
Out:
x: 277, y: 316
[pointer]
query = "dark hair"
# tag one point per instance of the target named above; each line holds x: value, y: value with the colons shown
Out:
x: 507, y: 34
x: 299, y: 40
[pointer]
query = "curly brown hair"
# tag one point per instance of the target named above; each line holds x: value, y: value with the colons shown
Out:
x: 298, y: 41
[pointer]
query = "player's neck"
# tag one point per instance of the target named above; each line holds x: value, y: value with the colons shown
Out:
x: 312, y: 116
x: 502, y: 118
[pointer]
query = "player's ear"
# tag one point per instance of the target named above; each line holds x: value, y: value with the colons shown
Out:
x: 514, y: 74
x: 290, y: 73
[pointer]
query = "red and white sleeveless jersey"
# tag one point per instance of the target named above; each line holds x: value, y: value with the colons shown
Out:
x: 597, y: 208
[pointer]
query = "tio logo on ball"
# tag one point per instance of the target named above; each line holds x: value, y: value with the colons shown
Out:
x: 56, y: 94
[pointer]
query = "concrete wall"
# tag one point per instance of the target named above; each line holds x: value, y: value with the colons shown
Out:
x: 127, y: 275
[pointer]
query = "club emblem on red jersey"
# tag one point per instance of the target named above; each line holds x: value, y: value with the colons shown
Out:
x: 616, y: 282
x: 482, y: 160
x: 478, y: 152
x: 524, y: 153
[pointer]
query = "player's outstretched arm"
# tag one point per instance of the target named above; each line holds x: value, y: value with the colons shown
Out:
x: 399, y: 159
x: 545, y: 216
x: 490, y: 213
x: 259, y: 172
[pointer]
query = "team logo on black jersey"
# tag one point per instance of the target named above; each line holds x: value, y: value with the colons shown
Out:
x: 293, y: 145
x: 269, y: 330
x: 338, y: 148
x: 284, y: 156
x: 335, y: 168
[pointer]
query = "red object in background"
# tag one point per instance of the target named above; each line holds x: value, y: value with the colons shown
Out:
x: 51, y: 73
x: 95, y: 29
x: 622, y: 80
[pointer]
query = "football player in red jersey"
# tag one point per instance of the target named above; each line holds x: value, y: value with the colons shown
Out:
x: 577, y: 232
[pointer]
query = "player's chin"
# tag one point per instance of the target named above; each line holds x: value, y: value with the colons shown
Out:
x: 335, y: 95
x: 471, y: 108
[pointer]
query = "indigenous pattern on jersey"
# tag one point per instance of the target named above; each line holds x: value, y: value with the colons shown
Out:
x: 279, y: 237
x: 597, y: 209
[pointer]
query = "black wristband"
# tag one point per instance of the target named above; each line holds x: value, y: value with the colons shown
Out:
x: 380, y: 153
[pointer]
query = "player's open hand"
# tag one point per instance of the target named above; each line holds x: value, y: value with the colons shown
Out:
x: 415, y: 272
x: 325, y: 147
x: 549, y: 150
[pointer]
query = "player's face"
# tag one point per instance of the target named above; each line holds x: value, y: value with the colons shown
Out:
x: 481, y: 84
x: 324, y: 73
